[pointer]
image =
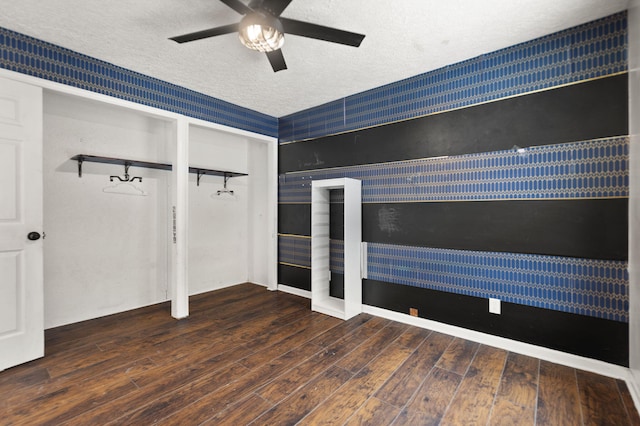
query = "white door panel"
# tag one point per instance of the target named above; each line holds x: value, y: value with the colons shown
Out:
x: 21, y: 295
x: 8, y: 183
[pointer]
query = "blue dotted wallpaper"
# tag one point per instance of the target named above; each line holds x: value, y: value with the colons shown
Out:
x: 586, y: 169
x: 38, y: 58
x: 589, y: 51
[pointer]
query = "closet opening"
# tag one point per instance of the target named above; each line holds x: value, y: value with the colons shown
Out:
x: 111, y: 218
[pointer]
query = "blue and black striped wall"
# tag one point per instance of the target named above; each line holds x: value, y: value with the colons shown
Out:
x: 505, y: 176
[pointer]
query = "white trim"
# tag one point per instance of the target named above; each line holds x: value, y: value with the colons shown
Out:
x: 272, y: 219
x: 86, y: 94
x: 551, y: 355
x: 222, y: 127
x: 107, y: 99
x: 632, y: 384
x: 633, y: 25
x: 223, y: 286
x: 296, y: 291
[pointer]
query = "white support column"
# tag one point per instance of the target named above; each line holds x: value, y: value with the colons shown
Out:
x: 352, y: 247
x: 179, y: 216
x: 321, y: 301
x: 272, y: 203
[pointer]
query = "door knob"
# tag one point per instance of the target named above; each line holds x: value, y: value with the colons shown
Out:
x: 33, y: 236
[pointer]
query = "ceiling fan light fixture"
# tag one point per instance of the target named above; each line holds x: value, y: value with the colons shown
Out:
x: 261, y: 33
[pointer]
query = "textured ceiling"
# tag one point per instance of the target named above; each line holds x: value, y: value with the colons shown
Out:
x: 403, y: 38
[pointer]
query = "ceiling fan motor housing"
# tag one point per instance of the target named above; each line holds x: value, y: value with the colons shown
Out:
x: 261, y: 32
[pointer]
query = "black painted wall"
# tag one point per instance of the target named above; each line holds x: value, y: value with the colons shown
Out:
x: 579, y: 228
x: 584, y: 111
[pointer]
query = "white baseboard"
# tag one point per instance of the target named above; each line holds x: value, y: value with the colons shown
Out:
x: 634, y: 388
x: 551, y: 355
x: 293, y: 290
x: 220, y: 287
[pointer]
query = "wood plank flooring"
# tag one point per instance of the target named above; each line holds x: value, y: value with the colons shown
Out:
x: 249, y: 356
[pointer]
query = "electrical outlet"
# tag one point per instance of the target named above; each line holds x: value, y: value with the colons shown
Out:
x: 413, y: 312
x: 494, y: 306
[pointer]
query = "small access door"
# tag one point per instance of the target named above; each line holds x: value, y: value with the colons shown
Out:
x: 21, y: 212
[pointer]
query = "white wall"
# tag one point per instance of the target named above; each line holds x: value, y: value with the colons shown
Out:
x: 103, y: 252
x: 259, y: 238
x: 106, y: 252
x: 634, y: 183
x: 227, y: 238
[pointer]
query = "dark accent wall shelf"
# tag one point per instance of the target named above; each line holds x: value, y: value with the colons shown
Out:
x: 199, y: 171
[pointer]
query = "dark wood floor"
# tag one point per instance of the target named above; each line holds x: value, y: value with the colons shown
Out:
x: 249, y: 355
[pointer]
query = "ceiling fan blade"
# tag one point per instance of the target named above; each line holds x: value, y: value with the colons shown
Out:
x: 276, y: 59
x: 238, y: 6
x: 211, y: 32
x: 320, y: 32
x: 275, y: 7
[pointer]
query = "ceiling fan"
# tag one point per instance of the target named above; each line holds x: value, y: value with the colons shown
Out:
x: 262, y: 28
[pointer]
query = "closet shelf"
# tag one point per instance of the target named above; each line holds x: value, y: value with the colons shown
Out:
x: 199, y: 171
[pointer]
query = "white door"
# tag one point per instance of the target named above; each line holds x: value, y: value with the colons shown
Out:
x: 21, y: 292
